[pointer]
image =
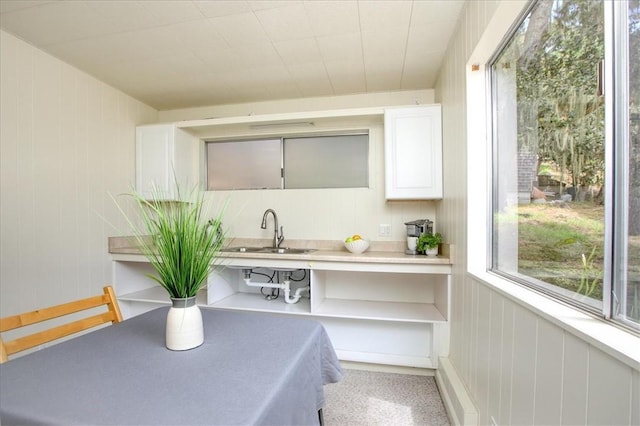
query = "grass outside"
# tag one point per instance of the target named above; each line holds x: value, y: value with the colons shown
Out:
x: 563, y: 245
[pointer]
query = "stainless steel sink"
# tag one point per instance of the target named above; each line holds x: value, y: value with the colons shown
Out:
x: 286, y: 250
x: 241, y: 249
x: 274, y: 250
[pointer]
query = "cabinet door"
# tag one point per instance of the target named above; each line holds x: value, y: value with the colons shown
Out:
x: 165, y: 155
x: 413, y: 153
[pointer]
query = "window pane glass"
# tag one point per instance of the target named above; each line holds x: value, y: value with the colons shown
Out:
x: 548, y: 213
x: 244, y: 165
x: 631, y: 306
x: 327, y: 162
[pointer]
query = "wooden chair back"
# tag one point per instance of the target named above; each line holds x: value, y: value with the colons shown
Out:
x: 20, y: 344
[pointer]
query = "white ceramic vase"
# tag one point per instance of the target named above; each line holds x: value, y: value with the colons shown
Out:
x: 184, y: 325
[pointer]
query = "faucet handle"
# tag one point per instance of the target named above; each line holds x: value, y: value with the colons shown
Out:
x: 281, y: 237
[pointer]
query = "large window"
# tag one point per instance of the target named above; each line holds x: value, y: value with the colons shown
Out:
x: 566, y: 168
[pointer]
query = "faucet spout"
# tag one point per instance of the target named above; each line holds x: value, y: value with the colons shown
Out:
x: 277, y: 238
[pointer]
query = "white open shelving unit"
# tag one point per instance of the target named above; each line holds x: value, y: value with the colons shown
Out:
x: 397, y: 315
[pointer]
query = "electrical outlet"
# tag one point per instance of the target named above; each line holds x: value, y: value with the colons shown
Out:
x: 384, y: 230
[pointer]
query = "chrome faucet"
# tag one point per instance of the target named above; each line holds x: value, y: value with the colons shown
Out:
x: 277, y: 239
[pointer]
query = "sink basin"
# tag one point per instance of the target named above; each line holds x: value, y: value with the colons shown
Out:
x: 275, y: 250
x: 286, y: 250
x: 241, y: 249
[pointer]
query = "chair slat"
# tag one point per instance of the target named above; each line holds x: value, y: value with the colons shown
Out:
x: 39, y: 315
x: 22, y: 343
x: 108, y: 299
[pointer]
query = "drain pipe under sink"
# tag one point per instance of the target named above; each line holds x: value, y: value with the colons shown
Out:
x: 285, y: 285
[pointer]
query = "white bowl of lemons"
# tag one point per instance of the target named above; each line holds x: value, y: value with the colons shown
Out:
x: 356, y: 244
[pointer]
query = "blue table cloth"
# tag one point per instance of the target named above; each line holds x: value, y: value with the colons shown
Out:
x: 253, y: 369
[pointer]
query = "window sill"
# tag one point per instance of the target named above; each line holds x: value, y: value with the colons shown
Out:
x: 618, y: 343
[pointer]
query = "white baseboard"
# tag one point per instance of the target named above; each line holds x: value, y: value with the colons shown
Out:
x: 457, y: 401
x: 383, y: 368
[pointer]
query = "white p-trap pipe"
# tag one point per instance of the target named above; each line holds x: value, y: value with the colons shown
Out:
x: 296, y: 296
x: 286, y: 286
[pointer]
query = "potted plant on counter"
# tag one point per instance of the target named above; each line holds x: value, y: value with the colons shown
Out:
x: 182, y: 244
x: 428, y: 243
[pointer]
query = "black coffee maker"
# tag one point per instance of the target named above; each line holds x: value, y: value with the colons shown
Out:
x: 415, y: 228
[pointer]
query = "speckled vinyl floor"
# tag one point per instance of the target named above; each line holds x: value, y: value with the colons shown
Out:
x: 365, y: 398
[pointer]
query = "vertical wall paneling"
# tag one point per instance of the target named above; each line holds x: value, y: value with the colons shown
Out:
x: 548, y: 382
x: 506, y: 368
x: 494, y: 390
x: 483, y: 338
x: 81, y: 188
x: 10, y: 114
x: 634, y: 397
x: 25, y: 190
x: 63, y: 137
x: 46, y: 138
x: 471, y: 365
x: 575, y: 376
x: 67, y: 153
x: 525, y: 348
x: 608, y: 400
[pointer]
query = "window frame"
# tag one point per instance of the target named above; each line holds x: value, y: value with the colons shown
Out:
x: 619, y: 342
x: 617, y: 155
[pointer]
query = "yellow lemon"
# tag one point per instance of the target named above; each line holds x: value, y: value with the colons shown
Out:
x: 356, y: 237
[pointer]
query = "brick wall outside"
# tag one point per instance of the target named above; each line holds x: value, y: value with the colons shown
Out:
x: 527, y: 162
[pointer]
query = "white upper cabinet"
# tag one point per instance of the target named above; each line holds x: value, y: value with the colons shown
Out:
x: 413, y: 153
x: 165, y: 155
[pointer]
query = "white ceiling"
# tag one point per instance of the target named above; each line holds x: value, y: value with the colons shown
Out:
x: 178, y: 54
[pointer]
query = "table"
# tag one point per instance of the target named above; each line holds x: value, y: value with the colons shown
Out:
x: 253, y: 368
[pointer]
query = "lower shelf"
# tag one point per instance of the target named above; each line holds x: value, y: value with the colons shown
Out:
x: 256, y: 302
x: 239, y: 301
x: 381, y: 311
x: 382, y: 342
x: 158, y: 295
x: 334, y: 308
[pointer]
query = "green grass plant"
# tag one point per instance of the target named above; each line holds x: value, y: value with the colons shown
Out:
x: 178, y: 238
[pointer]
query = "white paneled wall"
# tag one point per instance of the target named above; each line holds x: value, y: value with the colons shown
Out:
x: 518, y: 367
x: 66, y: 142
